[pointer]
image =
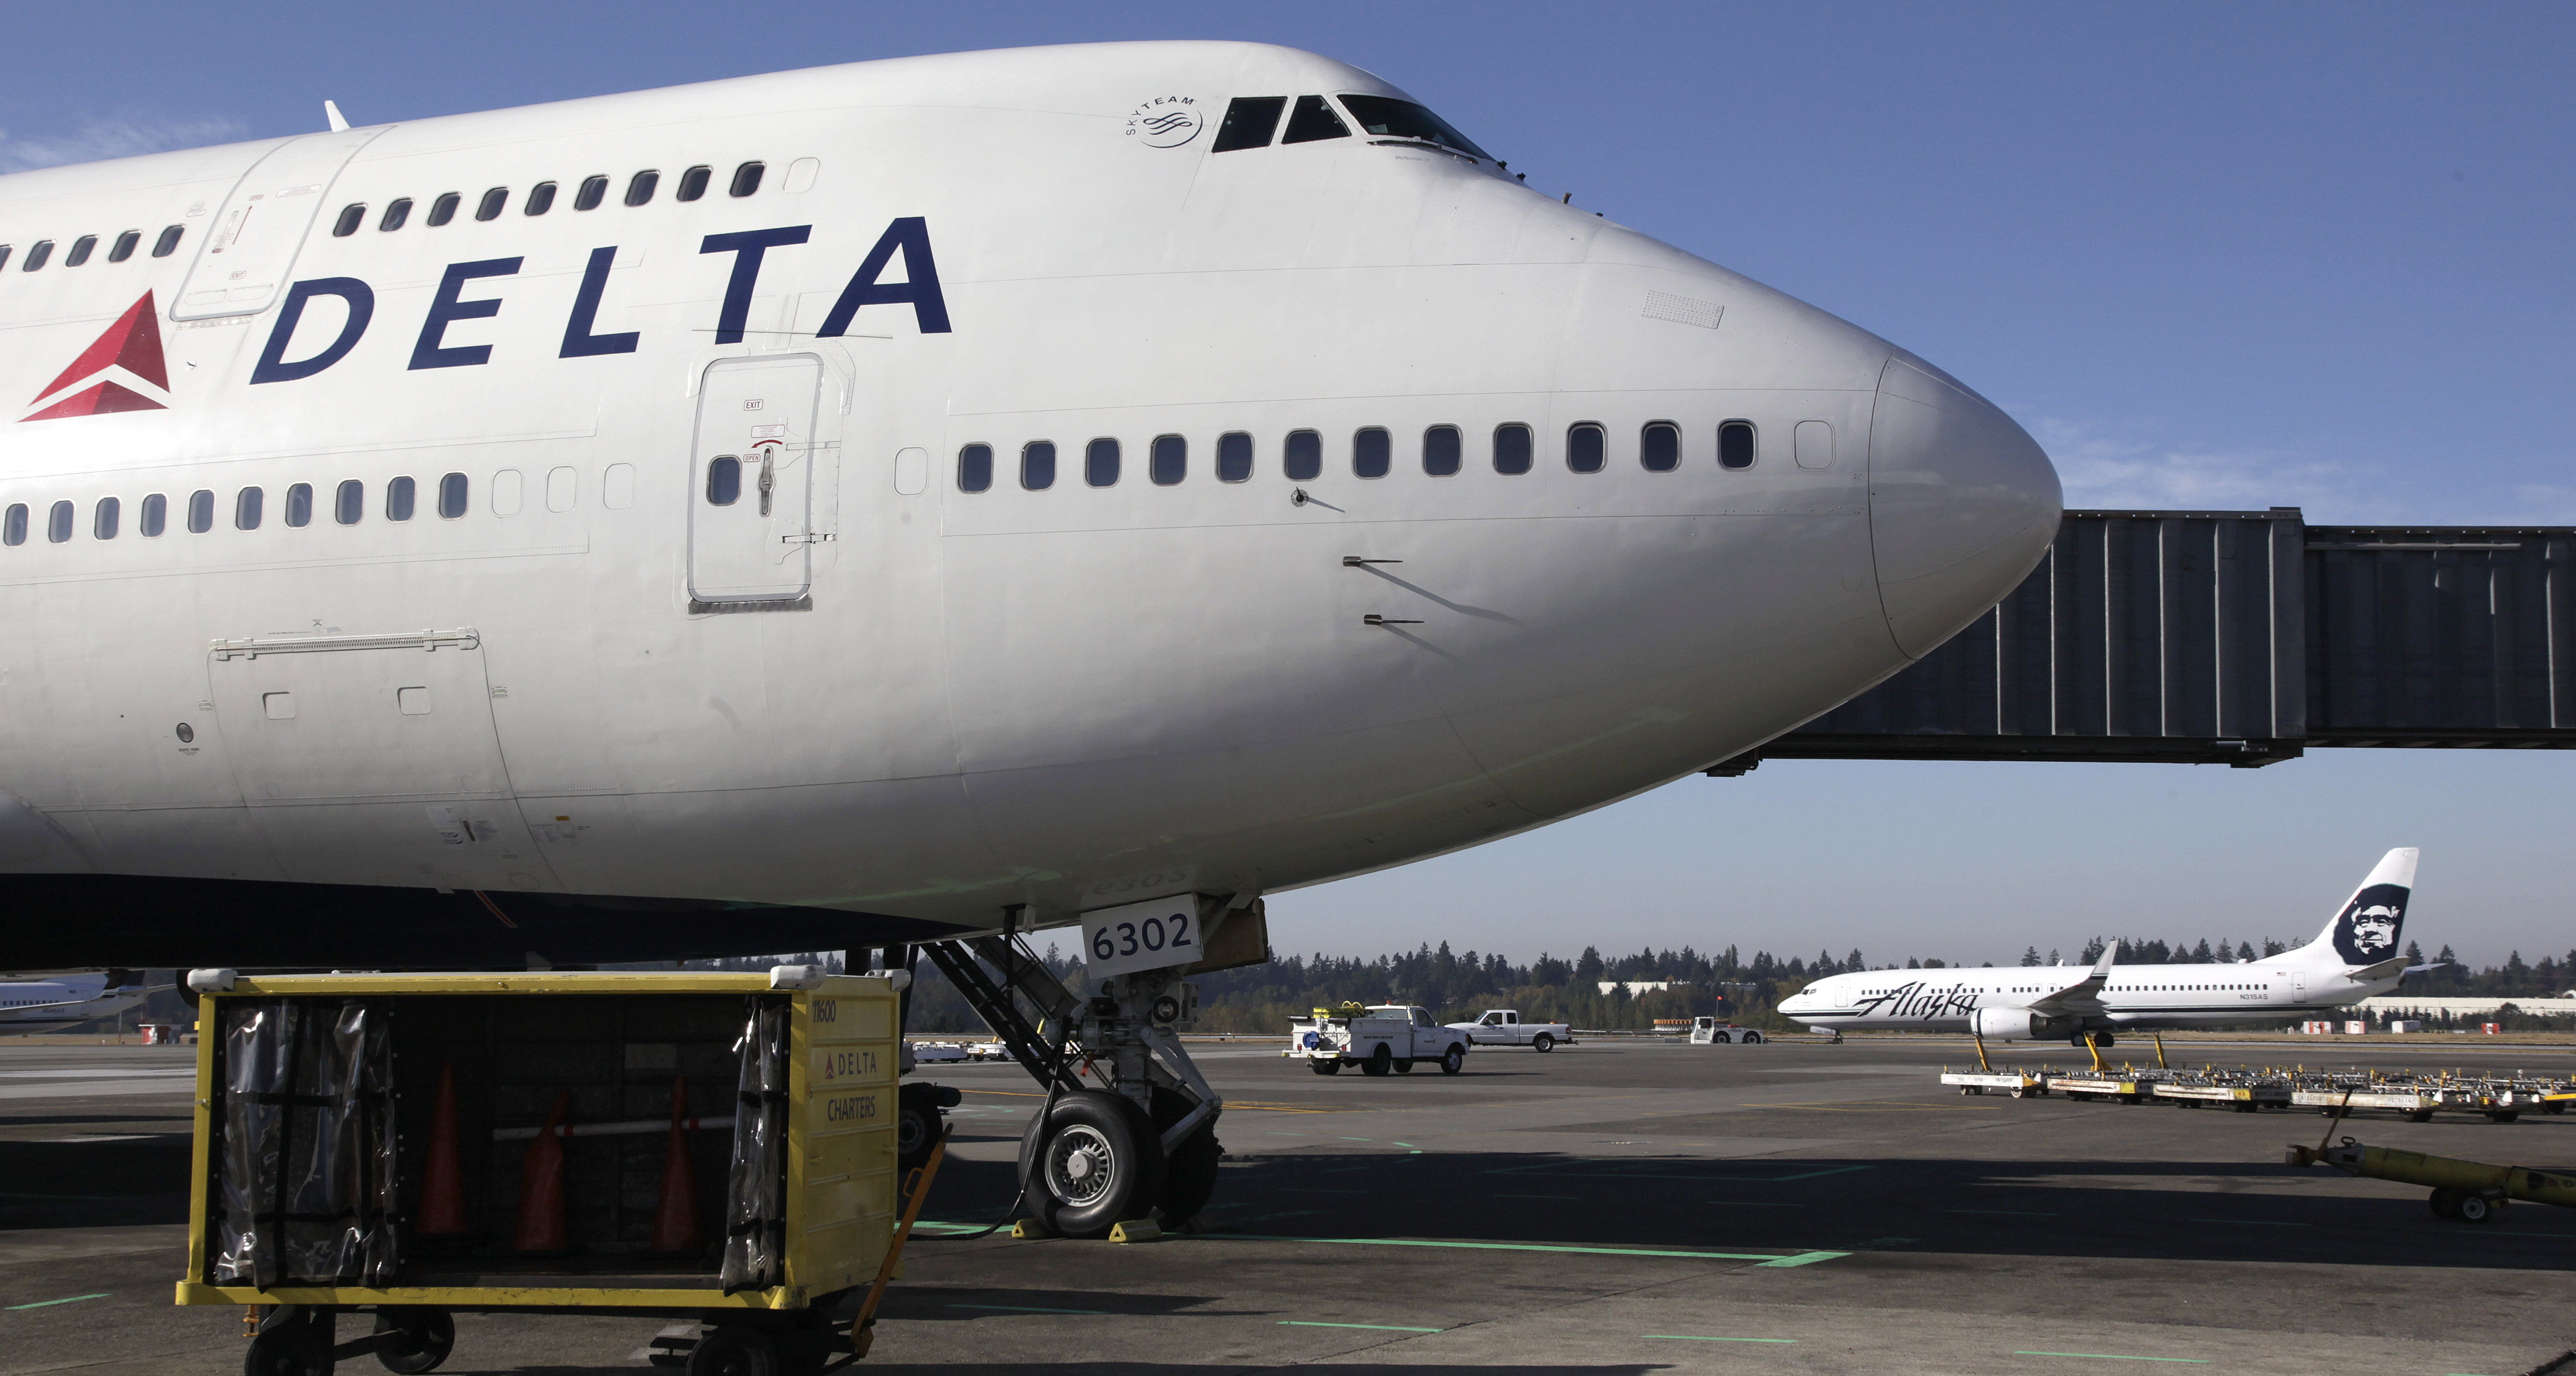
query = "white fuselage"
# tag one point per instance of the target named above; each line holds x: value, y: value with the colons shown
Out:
x: 2140, y: 996
x: 54, y: 1004
x: 865, y: 687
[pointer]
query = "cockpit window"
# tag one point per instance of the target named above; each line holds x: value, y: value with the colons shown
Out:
x: 1249, y: 122
x: 1402, y: 119
x: 1312, y: 120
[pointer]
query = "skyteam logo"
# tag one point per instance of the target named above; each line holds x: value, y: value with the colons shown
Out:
x: 2367, y: 931
x: 1165, y: 121
x: 121, y: 370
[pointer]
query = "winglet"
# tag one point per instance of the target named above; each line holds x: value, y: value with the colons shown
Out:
x: 331, y: 112
x: 2102, y: 967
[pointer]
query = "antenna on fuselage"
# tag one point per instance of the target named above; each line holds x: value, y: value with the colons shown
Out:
x: 331, y: 112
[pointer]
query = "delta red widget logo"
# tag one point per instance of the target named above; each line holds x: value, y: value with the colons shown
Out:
x: 130, y: 347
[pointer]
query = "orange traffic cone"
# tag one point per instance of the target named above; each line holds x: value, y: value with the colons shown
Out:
x: 442, y: 1177
x: 541, y: 1185
x: 675, y: 1221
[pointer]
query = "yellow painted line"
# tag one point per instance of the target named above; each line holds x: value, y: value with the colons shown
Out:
x: 1230, y: 1106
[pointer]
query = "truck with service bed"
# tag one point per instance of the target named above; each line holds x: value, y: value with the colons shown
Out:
x: 1503, y: 1027
x: 1377, y: 1040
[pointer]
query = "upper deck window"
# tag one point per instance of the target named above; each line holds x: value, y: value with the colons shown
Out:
x: 169, y: 240
x: 693, y: 183
x: 1312, y: 120
x: 126, y: 243
x: 592, y: 190
x: 443, y: 209
x: 1249, y: 123
x: 352, y: 215
x: 1402, y: 119
x: 493, y: 203
x: 36, y: 256
x: 639, y: 188
x: 397, y: 212
x: 82, y: 247
x: 541, y: 198
x: 746, y: 179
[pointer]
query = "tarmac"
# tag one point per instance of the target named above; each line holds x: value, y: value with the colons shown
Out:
x: 1605, y: 1209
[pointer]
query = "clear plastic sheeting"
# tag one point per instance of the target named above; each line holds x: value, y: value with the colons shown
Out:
x: 755, y: 1247
x: 304, y: 1168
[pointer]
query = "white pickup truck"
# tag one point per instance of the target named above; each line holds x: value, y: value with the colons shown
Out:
x: 1377, y: 1040
x: 1503, y: 1027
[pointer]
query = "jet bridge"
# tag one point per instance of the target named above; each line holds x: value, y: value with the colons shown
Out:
x: 2240, y: 638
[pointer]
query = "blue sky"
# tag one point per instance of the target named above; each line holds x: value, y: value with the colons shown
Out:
x: 2211, y: 256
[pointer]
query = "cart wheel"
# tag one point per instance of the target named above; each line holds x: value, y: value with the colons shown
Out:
x: 2421, y: 1115
x: 1453, y: 1060
x: 2504, y: 1115
x: 2474, y: 1208
x: 1094, y: 1161
x: 1325, y: 1067
x: 288, y: 1350
x: 2020, y: 1093
x: 916, y: 1125
x: 733, y: 1352
x: 1543, y: 1042
x: 1379, y: 1062
x: 2445, y: 1203
x: 428, y: 1336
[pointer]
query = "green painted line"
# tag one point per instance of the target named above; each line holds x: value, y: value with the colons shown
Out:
x: 1367, y: 1139
x: 2006, y: 1213
x: 2116, y: 1357
x: 1026, y: 1309
x: 45, y: 1304
x: 1704, y: 1338
x: 1406, y: 1144
x: 1378, y: 1327
x: 1763, y: 1258
x: 2253, y: 1222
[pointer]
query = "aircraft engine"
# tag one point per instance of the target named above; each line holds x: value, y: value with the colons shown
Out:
x: 2016, y: 1024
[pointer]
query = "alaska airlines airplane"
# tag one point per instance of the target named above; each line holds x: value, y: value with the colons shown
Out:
x: 2354, y: 958
x: 59, y: 1001
x: 844, y: 506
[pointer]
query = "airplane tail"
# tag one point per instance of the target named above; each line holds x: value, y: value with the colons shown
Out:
x: 2367, y: 928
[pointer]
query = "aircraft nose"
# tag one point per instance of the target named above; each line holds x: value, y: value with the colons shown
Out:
x: 1962, y: 502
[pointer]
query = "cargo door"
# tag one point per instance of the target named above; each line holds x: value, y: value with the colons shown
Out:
x: 244, y: 261
x: 752, y: 478
x: 374, y: 759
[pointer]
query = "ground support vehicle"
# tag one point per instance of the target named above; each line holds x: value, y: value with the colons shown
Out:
x: 1503, y: 1027
x: 2470, y: 1191
x: 1377, y: 1040
x: 2247, y: 1097
x: 2020, y: 1084
x: 415, y: 1146
x: 1707, y: 1031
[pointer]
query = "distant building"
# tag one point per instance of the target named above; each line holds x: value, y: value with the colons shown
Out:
x: 2413, y: 1006
x: 1642, y: 986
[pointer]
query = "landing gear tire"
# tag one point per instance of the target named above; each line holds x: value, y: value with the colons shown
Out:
x: 293, y: 1349
x: 2446, y: 1203
x: 1543, y: 1042
x: 2473, y: 1208
x: 1325, y: 1067
x: 1189, y: 1171
x: 1379, y: 1061
x: 1453, y: 1060
x: 916, y: 1125
x: 428, y: 1336
x: 1093, y: 1161
x: 733, y: 1352
x: 1405, y: 1066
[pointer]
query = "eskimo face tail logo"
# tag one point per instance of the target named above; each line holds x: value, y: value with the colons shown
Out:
x: 2366, y: 932
x: 115, y: 364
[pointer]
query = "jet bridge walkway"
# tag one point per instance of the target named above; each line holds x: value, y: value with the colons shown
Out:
x: 2241, y: 638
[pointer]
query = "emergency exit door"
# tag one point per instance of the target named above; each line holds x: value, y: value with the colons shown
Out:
x: 752, y: 482
x: 244, y: 258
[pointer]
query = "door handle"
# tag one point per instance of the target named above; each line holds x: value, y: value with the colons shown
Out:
x: 768, y: 476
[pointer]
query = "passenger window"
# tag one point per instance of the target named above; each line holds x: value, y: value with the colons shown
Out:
x: 1735, y: 444
x: 397, y: 213
x: 1249, y: 123
x: 399, y: 495
x: 509, y: 492
x: 201, y: 511
x: 451, y: 496
x: 126, y: 243
x: 1100, y: 463
x: 1312, y: 120
x: 4, y: 255
x: 443, y: 209
x: 1440, y: 450
x: 352, y: 215
x: 1585, y: 450
x: 1233, y: 457
x: 746, y: 179
x: 563, y: 489
x: 1037, y: 465
x: 639, y: 188
x: 1371, y: 453
x: 36, y: 256
x: 724, y: 480
x: 247, y: 505
x: 1659, y: 447
x: 1512, y: 448
x: 13, y: 526
x: 494, y: 202
x: 168, y: 243
x: 693, y: 183
x: 975, y: 468
x: 299, y: 505
x: 82, y: 247
x: 1170, y: 460
x: 617, y: 486
x: 58, y: 523
x: 1302, y: 459
x: 541, y: 198
x: 593, y: 191
x: 349, y: 502
x: 154, y: 517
